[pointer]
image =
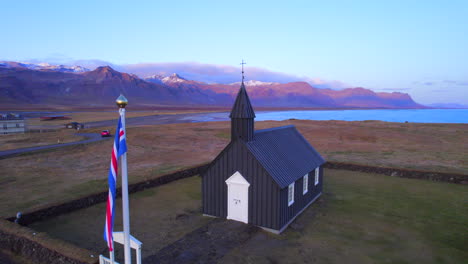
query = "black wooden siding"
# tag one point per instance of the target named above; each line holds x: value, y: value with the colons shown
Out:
x: 263, y: 191
x: 300, y: 200
x: 242, y: 128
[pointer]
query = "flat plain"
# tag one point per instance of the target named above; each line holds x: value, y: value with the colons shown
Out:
x: 92, y: 116
x: 32, y: 181
x: 361, y: 217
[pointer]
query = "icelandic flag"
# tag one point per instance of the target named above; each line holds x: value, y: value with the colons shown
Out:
x: 120, y: 147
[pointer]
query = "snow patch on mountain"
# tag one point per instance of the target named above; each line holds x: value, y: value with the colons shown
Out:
x: 256, y: 83
x: 154, y: 76
x: 43, y: 66
x: 173, y: 78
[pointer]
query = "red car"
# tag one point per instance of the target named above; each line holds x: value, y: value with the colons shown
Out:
x: 105, y: 133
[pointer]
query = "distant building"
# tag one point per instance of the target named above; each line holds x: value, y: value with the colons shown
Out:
x: 12, y: 123
x: 74, y: 125
x: 265, y: 177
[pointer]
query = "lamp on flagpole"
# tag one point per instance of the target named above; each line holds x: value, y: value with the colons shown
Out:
x: 122, y: 103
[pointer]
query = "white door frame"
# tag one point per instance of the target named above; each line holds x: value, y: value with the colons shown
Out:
x: 238, y: 198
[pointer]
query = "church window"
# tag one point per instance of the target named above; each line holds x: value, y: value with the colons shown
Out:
x: 291, y: 194
x: 305, y: 184
x: 317, y: 171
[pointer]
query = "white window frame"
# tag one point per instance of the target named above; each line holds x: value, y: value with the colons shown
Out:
x: 317, y: 173
x: 291, y: 194
x: 305, y: 184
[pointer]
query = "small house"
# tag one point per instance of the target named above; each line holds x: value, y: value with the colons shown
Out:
x: 265, y: 177
x: 12, y: 124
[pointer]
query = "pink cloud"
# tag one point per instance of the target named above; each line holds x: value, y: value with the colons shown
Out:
x: 210, y: 73
x: 214, y: 73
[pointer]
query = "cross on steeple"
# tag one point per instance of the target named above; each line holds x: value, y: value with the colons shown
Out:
x: 242, y: 63
x: 242, y: 115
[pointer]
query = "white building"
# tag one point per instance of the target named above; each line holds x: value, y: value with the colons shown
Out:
x: 12, y: 123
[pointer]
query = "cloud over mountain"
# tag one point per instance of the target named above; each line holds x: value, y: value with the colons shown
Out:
x: 209, y: 73
x: 215, y: 73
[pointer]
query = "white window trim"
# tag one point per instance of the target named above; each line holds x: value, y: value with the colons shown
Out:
x: 317, y: 172
x: 305, y: 184
x: 292, y: 196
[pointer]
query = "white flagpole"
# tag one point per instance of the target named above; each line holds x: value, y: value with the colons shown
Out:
x: 111, y: 253
x: 125, y: 204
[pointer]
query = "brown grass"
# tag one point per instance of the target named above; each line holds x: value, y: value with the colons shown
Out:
x: 434, y: 147
x: 84, y: 117
x: 14, y: 141
x: 33, y: 181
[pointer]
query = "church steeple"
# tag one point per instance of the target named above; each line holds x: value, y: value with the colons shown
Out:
x: 242, y: 115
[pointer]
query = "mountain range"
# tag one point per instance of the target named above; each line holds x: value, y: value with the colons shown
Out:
x: 45, y: 85
x: 42, y: 66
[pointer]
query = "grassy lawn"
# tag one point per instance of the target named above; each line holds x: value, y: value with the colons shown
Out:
x: 61, y: 175
x: 159, y: 216
x: 41, y: 179
x: 361, y: 218
x: 370, y: 218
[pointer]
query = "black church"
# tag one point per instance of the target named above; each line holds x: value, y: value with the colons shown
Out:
x: 265, y: 177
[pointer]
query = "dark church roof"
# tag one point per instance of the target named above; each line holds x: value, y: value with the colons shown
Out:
x: 284, y: 153
x: 242, y: 107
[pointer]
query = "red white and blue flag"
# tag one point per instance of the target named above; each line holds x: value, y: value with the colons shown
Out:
x: 120, y: 147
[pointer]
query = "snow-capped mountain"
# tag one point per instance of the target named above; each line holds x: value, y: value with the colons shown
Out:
x: 171, y: 79
x: 46, y: 84
x: 43, y: 66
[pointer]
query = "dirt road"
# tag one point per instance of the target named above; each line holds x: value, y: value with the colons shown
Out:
x: 91, y: 137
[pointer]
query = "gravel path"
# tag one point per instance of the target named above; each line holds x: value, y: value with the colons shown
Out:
x: 206, y: 244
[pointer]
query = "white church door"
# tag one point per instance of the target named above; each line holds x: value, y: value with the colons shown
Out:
x: 238, y: 198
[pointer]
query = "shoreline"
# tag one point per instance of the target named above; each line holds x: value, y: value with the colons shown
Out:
x: 401, y: 116
x: 65, y: 109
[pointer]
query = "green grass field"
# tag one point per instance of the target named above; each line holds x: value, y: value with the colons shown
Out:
x: 361, y: 218
x: 158, y: 216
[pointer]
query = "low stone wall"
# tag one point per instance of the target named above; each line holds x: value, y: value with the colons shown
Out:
x: 43, y: 249
x: 93, y: 199
x: 55, y: 210
x: 403, y: 173
x: 30, y: 244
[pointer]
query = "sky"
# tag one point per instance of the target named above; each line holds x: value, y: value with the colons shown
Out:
x: 411, y: 46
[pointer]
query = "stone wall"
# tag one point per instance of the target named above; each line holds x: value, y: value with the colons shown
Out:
x: 93, y: 199
x: 43, y: 249
x: 30, y: 244
x: 403, y: 173
x: 55, y: 210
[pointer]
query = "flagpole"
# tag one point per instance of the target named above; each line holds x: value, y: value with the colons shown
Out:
x: 122, y: 102
x: 111, y: 254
